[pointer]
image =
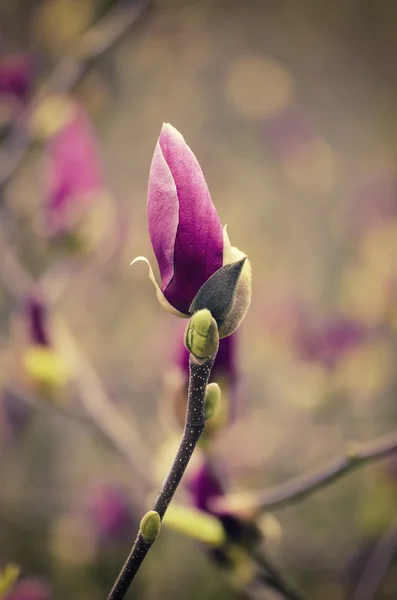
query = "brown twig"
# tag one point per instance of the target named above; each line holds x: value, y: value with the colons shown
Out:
x: 97, y: 40
x: 109, y: 420
x: 377, y: 565
x: 194, y: 426
x: 357, y: 456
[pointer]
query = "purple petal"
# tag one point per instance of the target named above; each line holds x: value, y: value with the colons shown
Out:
x: 184, y: 227
x: 163, y: 215
x: 74, y: 171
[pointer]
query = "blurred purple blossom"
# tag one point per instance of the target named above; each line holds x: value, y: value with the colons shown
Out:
x: 184, y: 227
x: 30, y: 588
x: 204, y: 484
x: 74, y: 173
x: 207, y: 483
x: 109, y: 510
x: 16, y: 76
x: 328, y: 342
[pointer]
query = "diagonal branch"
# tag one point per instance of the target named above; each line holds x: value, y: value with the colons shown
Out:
x: 97, y: 40
x: 300, y: 487
x: 377, y: 565
x: 271, y: 576
x: 108, y: 418
x: 194, y: 426
x: 123, y: 434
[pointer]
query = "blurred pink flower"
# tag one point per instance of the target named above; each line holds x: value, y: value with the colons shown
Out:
x: 16, y: 76
x: 328, y: 342
x: 109, y: 510
x: 30, y: 588
x: 204, y: 484
x: 74, y: 175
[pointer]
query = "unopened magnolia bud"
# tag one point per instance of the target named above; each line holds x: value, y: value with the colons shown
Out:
x: 212, y: 400
x: 201, y: 337
x: 150, y: 526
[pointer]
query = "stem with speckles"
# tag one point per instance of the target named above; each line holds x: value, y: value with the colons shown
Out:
x: 199, y: 373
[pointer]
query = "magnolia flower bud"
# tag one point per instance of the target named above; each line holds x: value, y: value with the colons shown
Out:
x: 201, y: 337
x: 212, y: 400
x: 199, y: 267
x: 150, y: 526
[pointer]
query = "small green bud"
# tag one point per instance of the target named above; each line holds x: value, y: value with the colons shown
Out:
x: 201, y: 337
x: 212, y: 400
x: 150, y: 526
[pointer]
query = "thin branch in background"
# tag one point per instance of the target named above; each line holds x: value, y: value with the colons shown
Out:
x: 109, y: 420
x: 272, y: 577
x: 35, y: 402
x: 99, y: 38
x: 303, y: 486
x: 377, y: 565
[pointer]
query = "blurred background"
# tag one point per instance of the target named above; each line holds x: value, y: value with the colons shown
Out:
x: 290, y: 109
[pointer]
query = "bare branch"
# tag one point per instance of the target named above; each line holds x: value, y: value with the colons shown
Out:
x: 377, y: 565
x: 298, y: 488
x: 100, y: 38
x: 123, y: 434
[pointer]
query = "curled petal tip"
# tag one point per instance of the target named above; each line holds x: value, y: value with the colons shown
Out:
x: 160, y: 296
x: 139, y: 258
